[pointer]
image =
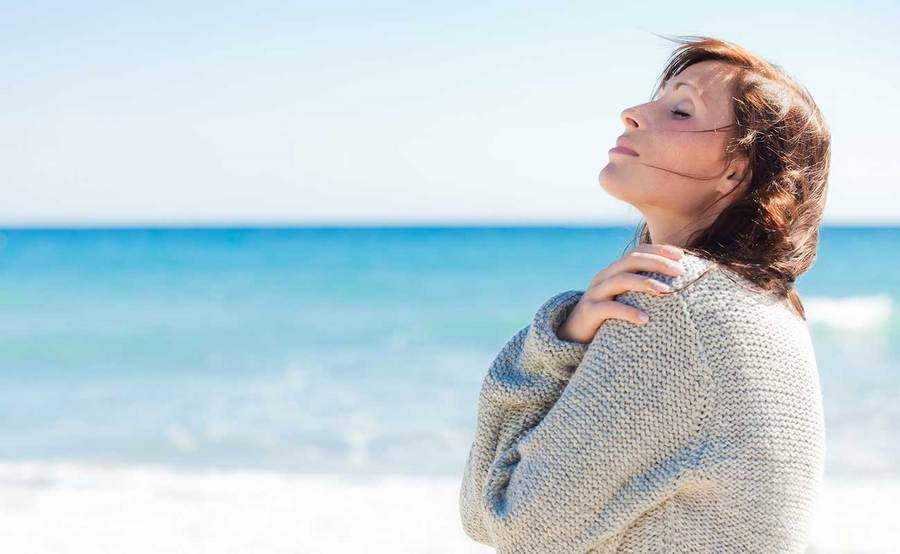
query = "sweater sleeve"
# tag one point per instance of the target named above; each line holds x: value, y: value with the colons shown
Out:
x: 567, y: 451
x: 524, y: 380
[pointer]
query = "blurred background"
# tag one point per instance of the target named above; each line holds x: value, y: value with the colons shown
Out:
x: 255, y: 259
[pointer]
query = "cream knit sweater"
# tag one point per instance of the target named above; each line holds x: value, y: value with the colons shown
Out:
x: 700, y: 431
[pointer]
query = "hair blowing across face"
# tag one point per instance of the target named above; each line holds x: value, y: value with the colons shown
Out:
x: 769, y: 234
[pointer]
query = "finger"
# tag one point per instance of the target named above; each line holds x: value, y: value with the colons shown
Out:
x: 668, y: 250
x: 646, y: 257
x: 610, y: 309
x: 636, y: 261
x: 624, y: 282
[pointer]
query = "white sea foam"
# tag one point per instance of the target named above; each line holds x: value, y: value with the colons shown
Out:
x: 74, y: 508
x: 850, y: 313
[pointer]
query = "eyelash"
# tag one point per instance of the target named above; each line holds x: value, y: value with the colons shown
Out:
x: 680, y: 112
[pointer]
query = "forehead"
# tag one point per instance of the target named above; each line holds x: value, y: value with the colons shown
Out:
x: 712, y: 78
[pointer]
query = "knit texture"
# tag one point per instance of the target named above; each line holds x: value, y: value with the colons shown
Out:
x: 699, y: 431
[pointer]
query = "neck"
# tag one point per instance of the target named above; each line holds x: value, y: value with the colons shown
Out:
x: 670, y: 229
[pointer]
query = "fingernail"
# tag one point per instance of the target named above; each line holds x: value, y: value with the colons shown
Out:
x: 660, y: 286
x: 644, y: 318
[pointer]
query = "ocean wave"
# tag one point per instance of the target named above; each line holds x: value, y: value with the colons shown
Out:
x: 855, y: 313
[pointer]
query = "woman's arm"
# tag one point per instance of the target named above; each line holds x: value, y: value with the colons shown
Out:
x: 567, y: 453
x: 523, y: 382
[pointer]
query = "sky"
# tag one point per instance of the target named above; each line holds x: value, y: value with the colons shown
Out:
x: 216, y: 113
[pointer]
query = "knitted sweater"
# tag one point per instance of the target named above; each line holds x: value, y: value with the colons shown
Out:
x: 699, y: 431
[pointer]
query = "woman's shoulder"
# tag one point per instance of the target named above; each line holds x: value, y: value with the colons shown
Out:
x: 697, y: 271
x: 705, y: 274
x: 698, y: 263
x: 706, y: 289
x: 716, y: 296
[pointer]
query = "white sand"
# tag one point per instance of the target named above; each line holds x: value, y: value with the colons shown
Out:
x: 65, y: 508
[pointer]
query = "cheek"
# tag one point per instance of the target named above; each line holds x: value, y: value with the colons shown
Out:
x: 681, y: 196
x: 689, y: 153
x: 694, y: 154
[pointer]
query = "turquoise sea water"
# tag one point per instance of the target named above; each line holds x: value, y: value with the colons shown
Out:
x: 350, y: 349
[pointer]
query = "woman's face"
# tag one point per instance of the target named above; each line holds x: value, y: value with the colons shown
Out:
x: 653, y: 130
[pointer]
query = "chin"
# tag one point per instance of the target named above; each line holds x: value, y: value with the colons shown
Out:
x: 612, y: 182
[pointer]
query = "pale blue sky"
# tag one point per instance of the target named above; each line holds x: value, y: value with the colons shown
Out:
x: 294, y: 113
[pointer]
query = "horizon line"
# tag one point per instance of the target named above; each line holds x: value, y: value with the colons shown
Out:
x: 364, y: 224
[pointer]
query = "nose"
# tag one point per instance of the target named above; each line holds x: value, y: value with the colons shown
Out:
x: 632, y: 118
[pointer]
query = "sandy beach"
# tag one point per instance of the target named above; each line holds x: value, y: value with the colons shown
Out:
x: 69, y: 508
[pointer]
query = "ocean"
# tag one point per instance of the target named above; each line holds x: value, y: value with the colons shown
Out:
x: 206, y: 389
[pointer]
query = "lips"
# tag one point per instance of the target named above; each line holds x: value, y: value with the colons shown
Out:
x: 625, y: 147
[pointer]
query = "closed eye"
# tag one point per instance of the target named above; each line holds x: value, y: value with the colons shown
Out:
x: 680, y: 114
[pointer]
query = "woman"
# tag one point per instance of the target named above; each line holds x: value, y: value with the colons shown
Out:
x: 699, y: 428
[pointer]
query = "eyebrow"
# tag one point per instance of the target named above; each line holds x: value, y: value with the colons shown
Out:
x: 686, y: 83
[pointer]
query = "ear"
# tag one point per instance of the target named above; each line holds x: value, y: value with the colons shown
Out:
x: 737, y: 174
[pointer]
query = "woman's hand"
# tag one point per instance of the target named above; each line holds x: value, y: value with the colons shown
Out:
x: 597, y: 304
